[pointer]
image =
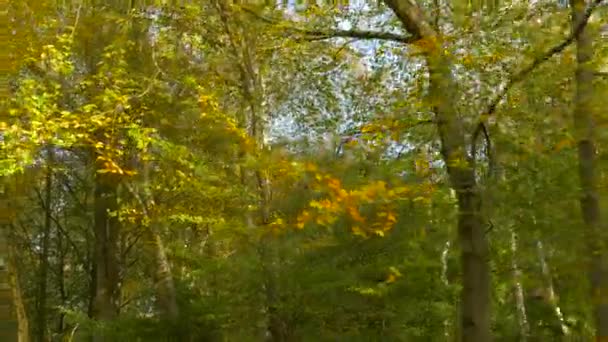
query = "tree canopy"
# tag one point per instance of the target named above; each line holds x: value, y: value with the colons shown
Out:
x: 304, y: 171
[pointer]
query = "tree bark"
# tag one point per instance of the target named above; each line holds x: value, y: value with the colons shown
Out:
x: 106, y: 258
x: 475, y: 296
x: 23, y: 329
x: 447, y: 327
x: 61, y: 281
x: 11, y: 329
x: 163, y: 278
x: 520, y: 303
x: 550, y: 290
x: 41, y: 310
x: 164, y: 284
x: 589, y: 201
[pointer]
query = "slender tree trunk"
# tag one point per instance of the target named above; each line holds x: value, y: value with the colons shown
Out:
x: 242, y: 47
x: 164, y: 284
x: 475, y: 296
x: 520, y: 303
x: 589, y: 202
x: 92, y: 284
x: 550, y: 290
x: 61, y: 281
x: 447, y: 327
x: 41, y: 312
x: 163, y: 278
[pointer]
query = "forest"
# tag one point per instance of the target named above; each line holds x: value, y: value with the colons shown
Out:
x: 290, y: 170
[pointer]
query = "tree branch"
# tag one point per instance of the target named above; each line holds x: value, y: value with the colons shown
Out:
x: 601, y: 74
x: 523, y: 73
x: 364, y: 35
x: 309, y: 34
x: 481, y: 128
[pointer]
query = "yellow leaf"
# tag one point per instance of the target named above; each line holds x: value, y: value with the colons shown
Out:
x: 357, y: 231
x: 355, y: 215
x: 310, y: 167
x: 302, y: 219
x: 334, y: 184
x: 401, y: 190
x: 395, y: 271
x: 367, y: 129
x: 352, y: 142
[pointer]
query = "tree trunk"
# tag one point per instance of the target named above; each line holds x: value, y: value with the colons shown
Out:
x: 106, y: 258
x: 589, y: 202
x: 23, y: 329
x: 164, y: 284
x: 475, y: 296
x: 447, y: 327
x: 520, y: 303
x: 550, y: 290
x: 41, y: 310
x: 163, y: 278
x: 10, y: 298
x: 61, y: 282
x: 8, y: 325
x: 242, y: 47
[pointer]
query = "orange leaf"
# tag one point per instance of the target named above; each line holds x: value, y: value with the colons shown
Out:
x: 355, y: 215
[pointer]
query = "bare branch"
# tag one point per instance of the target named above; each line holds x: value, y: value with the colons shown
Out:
x: 364, y: 35
x: 481, y: 128
x: 309, y: 34
x: 601, y: 74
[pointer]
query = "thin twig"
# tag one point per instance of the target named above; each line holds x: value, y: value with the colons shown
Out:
x: 76, y: 20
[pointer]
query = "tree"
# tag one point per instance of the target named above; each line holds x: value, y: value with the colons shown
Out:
x: 584, y: 122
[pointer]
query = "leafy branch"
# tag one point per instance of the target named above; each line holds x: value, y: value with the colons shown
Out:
x: 525, y: 72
